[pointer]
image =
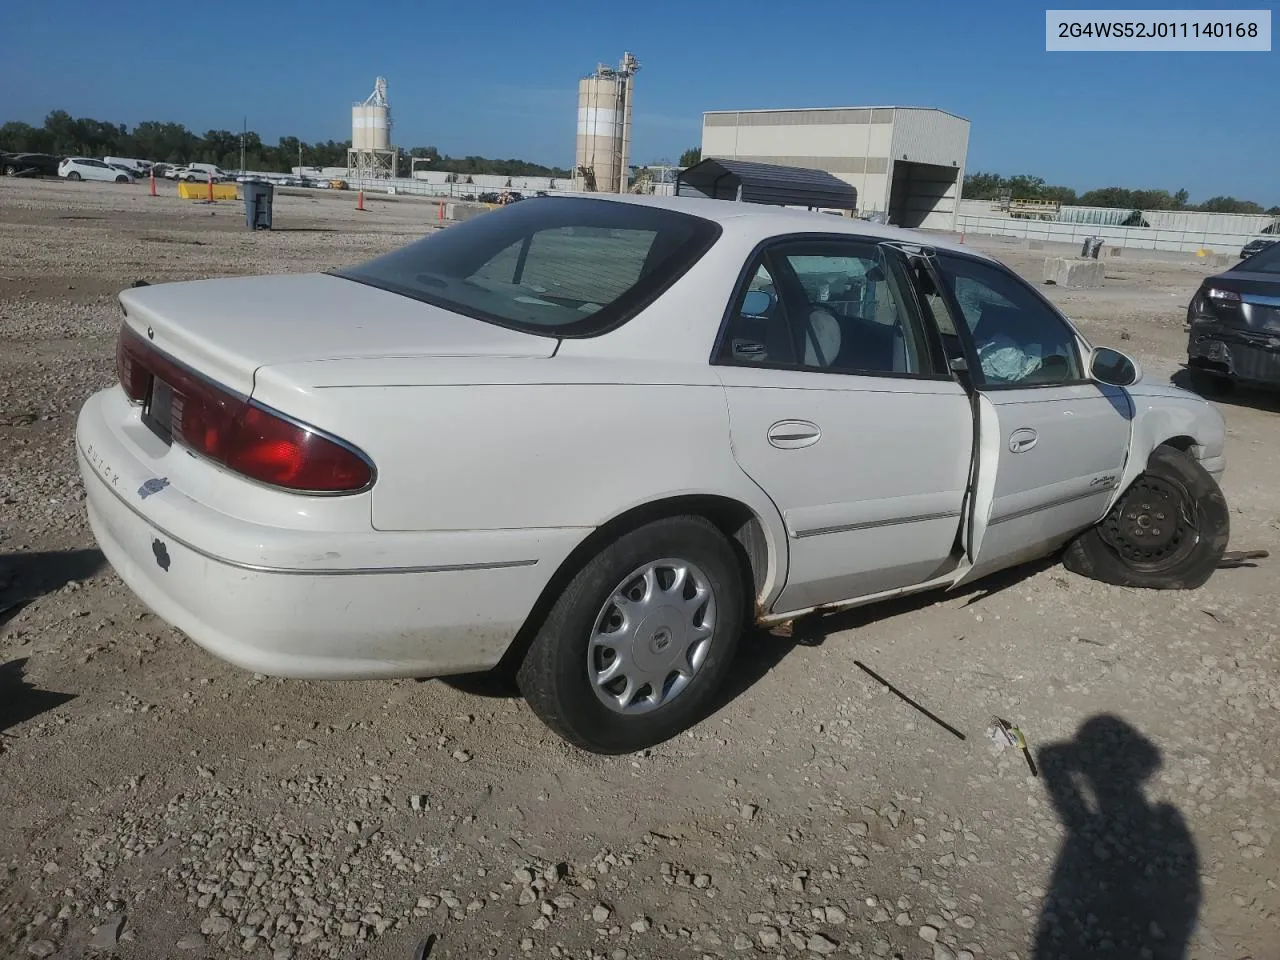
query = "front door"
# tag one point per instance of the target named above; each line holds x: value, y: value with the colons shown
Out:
x: 1053, y: 441
x: 841, y: 408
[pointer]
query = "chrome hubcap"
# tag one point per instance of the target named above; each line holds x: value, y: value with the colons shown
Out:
x: 652, y: 636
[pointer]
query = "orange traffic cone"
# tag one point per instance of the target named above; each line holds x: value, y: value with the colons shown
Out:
x: 153, y: 183
x: 440, y: 212
x: 211, y: 188
x: 360, y: 200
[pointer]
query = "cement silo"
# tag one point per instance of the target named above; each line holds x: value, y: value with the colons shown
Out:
x: 371, y: 154
x: 604, y: 127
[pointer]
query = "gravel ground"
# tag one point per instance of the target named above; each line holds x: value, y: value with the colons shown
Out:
x: 161, y: 804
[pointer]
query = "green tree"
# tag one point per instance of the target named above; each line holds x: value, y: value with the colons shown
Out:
x: 1229, y: 205
x: 690, y: 157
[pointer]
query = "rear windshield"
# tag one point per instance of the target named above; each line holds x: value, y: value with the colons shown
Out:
x: 1265, y: 261
x: 560, y: 266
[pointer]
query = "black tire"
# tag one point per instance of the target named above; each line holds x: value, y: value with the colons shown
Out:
x: 10, y: 171
x: 554, y: 677
x: 1209, y: 384
x: 122, y: 179
x: 73, y: 176
x: 1131, y: 548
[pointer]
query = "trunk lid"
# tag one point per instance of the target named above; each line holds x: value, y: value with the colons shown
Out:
x: 227, y: 328
x: 1259, y: 306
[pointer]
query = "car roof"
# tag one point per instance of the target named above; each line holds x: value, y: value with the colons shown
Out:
x: 764, y: 220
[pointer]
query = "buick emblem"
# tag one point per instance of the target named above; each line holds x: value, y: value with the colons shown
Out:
x: 151, y: 334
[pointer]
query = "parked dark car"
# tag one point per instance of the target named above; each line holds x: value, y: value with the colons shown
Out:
x: 1234, y: 324
x: 1256, y: 245
x: 29, y: 165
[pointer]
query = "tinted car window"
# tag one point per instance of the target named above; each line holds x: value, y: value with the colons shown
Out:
x: 1019, y: 339
x: 1268, y: 261
x: 831, y: 306
x: 561, y: 266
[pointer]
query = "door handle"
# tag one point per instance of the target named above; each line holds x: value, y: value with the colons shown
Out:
x: 792, y: 434
x: 1022, y: 440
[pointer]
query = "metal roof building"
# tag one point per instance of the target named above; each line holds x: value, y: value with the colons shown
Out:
x: 769, y: 183
x: 906, y: 162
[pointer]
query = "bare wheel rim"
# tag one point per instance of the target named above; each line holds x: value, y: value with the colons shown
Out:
x: 652, y: 636
x: 1154, y: 526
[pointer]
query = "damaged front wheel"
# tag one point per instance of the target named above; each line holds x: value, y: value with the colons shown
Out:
x: 1168, y: 531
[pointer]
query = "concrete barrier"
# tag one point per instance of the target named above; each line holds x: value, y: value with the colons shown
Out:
x: 463, y: 211
x: 1074, y: 272
x: 195, y: 190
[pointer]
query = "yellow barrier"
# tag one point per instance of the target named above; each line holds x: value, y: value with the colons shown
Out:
x: 195, y: 190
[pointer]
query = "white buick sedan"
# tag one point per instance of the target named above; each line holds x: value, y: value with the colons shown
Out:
x: 595, y: 439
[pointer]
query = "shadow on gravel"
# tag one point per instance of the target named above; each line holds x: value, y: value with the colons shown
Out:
x: 761, y: 651
x: 21, y: 701
x: 1232, y: 395
x: 811, y: 631
x: 1126, y: 882
x: 25, y: 577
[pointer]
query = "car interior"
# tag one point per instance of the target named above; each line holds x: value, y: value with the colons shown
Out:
x: 850, y: 324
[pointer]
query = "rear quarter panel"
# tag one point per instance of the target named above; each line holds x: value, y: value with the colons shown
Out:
x: 502, y: 443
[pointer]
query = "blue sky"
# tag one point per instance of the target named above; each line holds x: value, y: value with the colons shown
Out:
x: 499, y: 78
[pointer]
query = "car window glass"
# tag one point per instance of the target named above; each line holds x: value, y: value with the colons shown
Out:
x: 556, y: 266
x: 1018, y: 338
x: 855, y: 313
x: 1266, y: 261
x: 758, y: 331
x: 591, y: 266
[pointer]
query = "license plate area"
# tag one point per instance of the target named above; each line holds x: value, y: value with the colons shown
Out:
x: 157, y: 412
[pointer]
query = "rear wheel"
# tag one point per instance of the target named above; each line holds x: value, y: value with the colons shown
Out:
x: 634, y: 649
x: 122, y: 179
x: 73, y: 175
x: 1167, y: 532
x: 10, y: 171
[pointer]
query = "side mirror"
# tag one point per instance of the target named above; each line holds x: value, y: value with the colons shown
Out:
x: 1114, y: 368
x: 756, y: 303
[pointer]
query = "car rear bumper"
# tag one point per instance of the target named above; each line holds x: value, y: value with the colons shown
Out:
x: 1240, y: 354
x: 451, y: 612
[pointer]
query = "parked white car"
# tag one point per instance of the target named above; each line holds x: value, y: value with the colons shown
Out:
x: 198, y: 172
x: 86, y: 168
x: 596, y: 438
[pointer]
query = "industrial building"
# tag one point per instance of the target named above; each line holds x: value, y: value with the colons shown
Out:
x: 906, y: 162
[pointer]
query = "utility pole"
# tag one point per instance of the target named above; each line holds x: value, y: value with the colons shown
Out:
x: 244, y: 131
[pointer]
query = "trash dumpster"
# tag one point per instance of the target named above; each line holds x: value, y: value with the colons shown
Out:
x: 257, y: 204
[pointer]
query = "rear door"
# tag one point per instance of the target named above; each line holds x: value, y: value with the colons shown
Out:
x: 842, y: 410
x: 1053, y: 442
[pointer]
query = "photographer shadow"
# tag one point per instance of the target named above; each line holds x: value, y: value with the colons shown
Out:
x: 1127, y: 881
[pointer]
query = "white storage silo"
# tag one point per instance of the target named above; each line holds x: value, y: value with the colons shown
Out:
x: 604, y: 126
x: 371, y: 153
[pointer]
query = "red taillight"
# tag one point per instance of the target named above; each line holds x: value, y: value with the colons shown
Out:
x: 241, y: 436
x: 277, y: 451
x: 132, y: 373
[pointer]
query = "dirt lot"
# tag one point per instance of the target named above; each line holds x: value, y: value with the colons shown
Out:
x: 158, y: 803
